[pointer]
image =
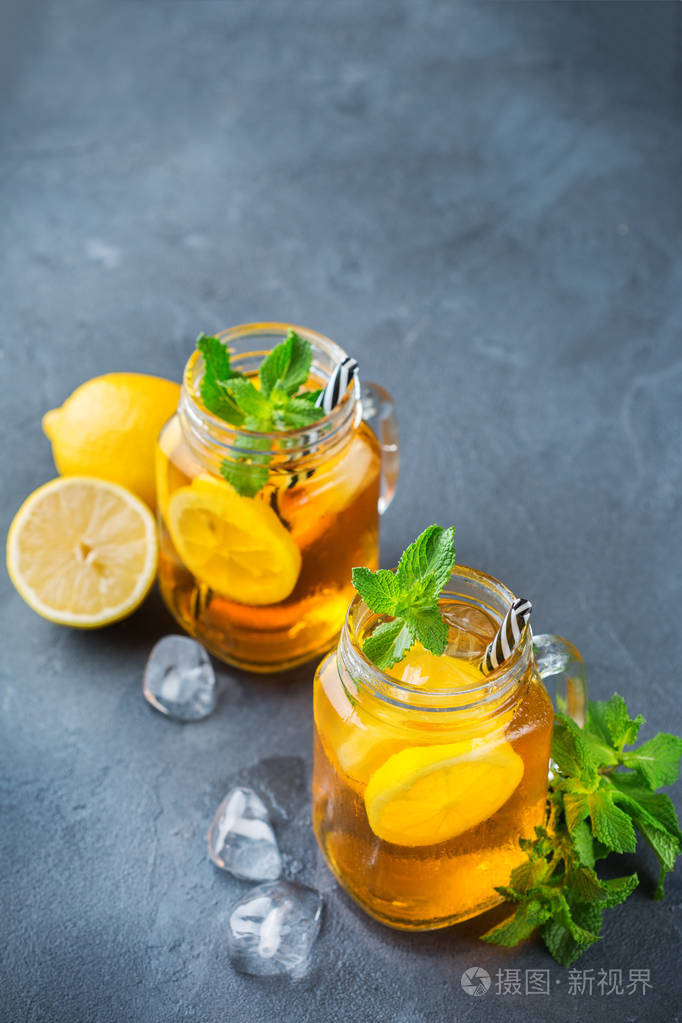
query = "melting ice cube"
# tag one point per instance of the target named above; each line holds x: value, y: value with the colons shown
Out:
x: 273, y: 928
x: 470, y: 630
x: 241, y: 839
x: 179, y: 679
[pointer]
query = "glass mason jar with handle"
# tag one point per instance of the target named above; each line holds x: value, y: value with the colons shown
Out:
x: 424, y: 779
x: 263, y: 581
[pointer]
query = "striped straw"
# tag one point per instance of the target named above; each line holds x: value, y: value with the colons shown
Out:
x: 337, y: 384
x: 508, y: 635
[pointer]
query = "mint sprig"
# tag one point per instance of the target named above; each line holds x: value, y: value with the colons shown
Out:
x: 217, y: 374
x: 278, y: 404
x: 600, y: 799
x: 410, y: 597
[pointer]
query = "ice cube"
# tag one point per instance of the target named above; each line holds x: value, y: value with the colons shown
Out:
x: 241, y: 839
x: 273, y: 928
x: 179, y: 679
x: 469, y: 630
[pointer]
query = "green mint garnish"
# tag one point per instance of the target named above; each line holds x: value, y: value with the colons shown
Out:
x: 410, y: 596
x: 600, y: 799
x: 278, y: 405
x: 217, y: 374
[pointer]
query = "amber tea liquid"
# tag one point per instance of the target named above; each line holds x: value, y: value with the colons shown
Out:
x: 418, y: 777
x: 331, y: 516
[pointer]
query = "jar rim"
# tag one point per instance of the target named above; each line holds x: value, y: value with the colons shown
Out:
x: 328, y: 428
x: 494, y: 686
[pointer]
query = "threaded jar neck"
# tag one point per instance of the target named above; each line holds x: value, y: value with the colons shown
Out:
x: 493, y: 696
x: 212, y: 440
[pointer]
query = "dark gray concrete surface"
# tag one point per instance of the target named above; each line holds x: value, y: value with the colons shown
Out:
x: 482, y: 203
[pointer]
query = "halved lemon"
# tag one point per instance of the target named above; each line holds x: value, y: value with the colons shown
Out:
x: 236, y: 545
x: 429, y: 794
x: 82, y: 551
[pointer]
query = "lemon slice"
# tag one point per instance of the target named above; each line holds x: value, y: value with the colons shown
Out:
x: 419, y: 667
x: 82, y: 551
x: 429, y: 794
x: 236, y: 545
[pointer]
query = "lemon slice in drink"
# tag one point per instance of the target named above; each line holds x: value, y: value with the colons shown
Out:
x: 429, y: 794
x: 236, y: 545
x: 82, y: 551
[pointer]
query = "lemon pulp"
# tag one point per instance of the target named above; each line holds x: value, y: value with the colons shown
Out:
x: 82, y: 551
x: 423, y: 795
x: 429, y: 794
x: 235, y: 545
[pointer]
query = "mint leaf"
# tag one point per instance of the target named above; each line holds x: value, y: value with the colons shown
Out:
x: 298, y: 413
x: 388, y: 643
x: 657, y: 804
x: 287, y: 366
x: 595, y: 807
x: 583, y: 842
x: 247, y: 476
x: 275, y: 407
x: 428, y: 562
x: 379, y: 590
x: 563, y: 935
x: 576, y: 808
x: 587, y: 915
x: 217, y: 372
x: 583, y: 883
x: 428, y: 626
x: 622, y: 728
x: 216, y: 358
x: 250, y: 401
x: 562, y: 944
x: 618, y: 889
x: 601, y: 753
x: 610, y: 824
x: 658, y: 760
x: 595, y: 723
x: 309, y: 396
x: 528, y: 875
x: 410, y: 595
x: 665, y: 844
x: 570, y: 751
x: 528, y: 917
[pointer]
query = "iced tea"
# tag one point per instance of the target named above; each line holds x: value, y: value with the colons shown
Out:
x: 425, y: 779
x: 264, y: 580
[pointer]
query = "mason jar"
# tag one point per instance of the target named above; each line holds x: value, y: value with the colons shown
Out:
x: 421, y: 792
x: 263, y: 581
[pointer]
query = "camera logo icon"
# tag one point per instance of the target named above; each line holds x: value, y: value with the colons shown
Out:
x: 476, y: 981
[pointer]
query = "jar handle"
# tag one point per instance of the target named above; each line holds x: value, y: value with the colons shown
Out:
x: 378, y: 410
x: 557, y: 658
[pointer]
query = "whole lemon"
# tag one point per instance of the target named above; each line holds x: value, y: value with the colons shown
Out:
x: 108, y: 428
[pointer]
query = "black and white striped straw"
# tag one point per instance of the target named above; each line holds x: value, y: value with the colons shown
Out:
x: 337, y: 384
x: 508, y: 635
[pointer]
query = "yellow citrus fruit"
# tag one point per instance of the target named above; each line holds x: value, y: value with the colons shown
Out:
x: 108, y: 428
x: 419, y: 667
x: 236, y: 545
x: 429, y: 794
x: 82, y: 551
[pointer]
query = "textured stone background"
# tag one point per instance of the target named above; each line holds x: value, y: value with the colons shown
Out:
x: 482, y: 202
